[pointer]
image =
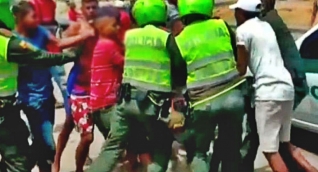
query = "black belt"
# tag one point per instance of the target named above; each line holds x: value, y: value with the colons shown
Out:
x: 7, y: 101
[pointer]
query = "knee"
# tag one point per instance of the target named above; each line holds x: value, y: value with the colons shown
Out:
x: 87, y: 138
x: 67, y: 127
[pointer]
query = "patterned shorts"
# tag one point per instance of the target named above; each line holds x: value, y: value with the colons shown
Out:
x: 80, y: 112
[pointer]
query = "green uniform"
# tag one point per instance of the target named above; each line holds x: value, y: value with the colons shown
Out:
x: 206, y: 48
x: 147, y: 71
x: 8, y: 71
x: 15, y: 150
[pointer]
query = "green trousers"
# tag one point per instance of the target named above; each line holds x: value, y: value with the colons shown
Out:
x: 225, y: 111
x: 121, y: 121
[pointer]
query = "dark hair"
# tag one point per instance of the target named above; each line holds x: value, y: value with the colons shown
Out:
x: 87, y: 1
x: 21, y: 9
x: 108, y: 11
x: 188, y: 19
x: 250, y: 15
x: 269, y: 5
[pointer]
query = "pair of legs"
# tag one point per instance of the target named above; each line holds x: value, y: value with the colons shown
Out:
x: 79, y: 117
x: 41, y: 116
x: 273, y: 119
x: 227, y: 112
x: 138, y: 146
x: 138, y: 149
x: 159, y: 135
x: 16, y: 153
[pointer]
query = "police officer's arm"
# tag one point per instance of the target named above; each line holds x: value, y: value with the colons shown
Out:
x: 178, y: 66
x: 24, y: 53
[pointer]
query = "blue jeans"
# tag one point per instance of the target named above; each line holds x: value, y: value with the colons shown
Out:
x: 41, y: 119
x: 59, y: 76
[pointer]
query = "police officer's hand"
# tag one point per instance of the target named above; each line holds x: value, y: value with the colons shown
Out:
x: 5, y: 32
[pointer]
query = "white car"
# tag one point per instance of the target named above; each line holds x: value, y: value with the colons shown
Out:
x: 306, y: 115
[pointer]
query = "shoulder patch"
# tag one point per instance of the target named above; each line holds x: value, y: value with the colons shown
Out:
x: 25, y: 45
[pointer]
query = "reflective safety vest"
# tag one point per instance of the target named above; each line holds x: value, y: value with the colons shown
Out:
x: 8, y: 71
x: 147, y: 62
x: 206, y: 48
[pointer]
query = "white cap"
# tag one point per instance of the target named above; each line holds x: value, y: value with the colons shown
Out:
x: 247, y: 5
x: 119, y: 4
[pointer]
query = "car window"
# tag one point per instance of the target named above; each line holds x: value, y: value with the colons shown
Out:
x: 309, y: 52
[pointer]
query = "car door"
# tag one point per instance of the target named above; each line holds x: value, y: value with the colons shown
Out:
x: 306, y: 114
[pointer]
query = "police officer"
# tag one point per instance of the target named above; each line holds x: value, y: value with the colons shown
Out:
x: 150, y: 79
x: 208, y: 47
x: 14, y: 147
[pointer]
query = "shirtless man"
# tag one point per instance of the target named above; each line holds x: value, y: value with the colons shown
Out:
x: 88, y: 8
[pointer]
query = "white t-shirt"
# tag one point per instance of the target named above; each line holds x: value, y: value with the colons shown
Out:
x: 272, y: 80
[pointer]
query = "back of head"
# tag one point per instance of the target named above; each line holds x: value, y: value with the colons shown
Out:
x: 191, y: 10
x: 21, y: 9
x: 149, y: 12
x: 268, y: 5
x: 104, y: 12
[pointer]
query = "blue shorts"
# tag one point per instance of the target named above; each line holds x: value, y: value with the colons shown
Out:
x: 41, y: 116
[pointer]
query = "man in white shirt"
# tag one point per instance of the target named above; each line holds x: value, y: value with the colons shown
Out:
x: 274, y: 90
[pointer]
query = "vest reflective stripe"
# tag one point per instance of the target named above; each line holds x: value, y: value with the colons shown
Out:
x: 8, y: 71
x: 147, y: 62
x: 215, y: 81
x: 206, y: 48
x: 151, y: 64
x: 210, y: 59
x: 147, y: 86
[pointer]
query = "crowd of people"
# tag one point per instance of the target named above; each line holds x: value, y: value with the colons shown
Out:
x: 146, y: 76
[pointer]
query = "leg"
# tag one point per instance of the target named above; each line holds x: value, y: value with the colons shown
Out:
x: 138, y: 146
x: 161, y: 139
x: 102, y: 120
x: 115, y: 144
x: 15, y: 150
x: 83, y: 150
x: 47, y: 114
x: 85, y: 124
x: 230, y: 119
x: 251, y: 140
x: 292, y: 153
x: 269, y: 120
x: 62, y: 140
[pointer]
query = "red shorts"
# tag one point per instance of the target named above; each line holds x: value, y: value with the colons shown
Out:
x: 80, y: 112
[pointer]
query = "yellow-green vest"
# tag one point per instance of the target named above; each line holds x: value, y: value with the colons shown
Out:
x: 206, y: 48
x: 147, y: 62
x: 8, y: 71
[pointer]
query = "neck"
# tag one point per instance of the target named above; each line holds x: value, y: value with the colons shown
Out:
x: 23, y: 31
